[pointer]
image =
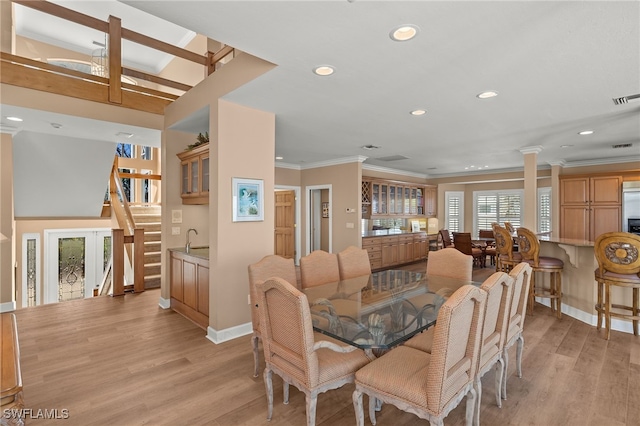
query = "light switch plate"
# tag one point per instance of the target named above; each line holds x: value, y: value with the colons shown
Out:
x: 350, y: 225
x: 175, y: 230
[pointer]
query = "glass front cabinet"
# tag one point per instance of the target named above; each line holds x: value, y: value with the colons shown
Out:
x: 194, y: 173
x: 398, y: 198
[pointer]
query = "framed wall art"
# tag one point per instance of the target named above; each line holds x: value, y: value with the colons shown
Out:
x: 248, y: 200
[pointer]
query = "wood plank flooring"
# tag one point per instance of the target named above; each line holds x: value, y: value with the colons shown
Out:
x: 126, y: 361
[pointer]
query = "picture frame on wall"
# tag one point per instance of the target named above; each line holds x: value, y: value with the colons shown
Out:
x: 248, y: 200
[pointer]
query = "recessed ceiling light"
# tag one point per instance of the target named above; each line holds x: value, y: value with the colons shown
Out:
x: 11, y: 118
x: 404, y: 32
x: 418, y: 112
x: 586, y: 132
x: 279, y: 158
x: 566, y: 146
x: 124, y: 134
x: 324, y: 70
x: 369, y: 147
x: 488, y: 94
x: 56, y: 125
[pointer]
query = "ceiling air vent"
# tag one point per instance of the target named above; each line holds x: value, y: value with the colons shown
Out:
x: 393, y: 158
x: 622, y: 145
x: 369, y: 147
x: 625, y: 99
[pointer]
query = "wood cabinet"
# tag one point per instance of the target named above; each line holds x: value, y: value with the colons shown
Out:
x: 590, y: 206
x: 194, y: 174
x: 391, y: 198
x: 189, y: 286
x: 388, y: 251
x: 373, y: 245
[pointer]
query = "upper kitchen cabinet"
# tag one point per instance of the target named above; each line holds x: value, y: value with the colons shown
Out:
x: 194, y: 172
x: 393, y: 198
x: 590, y: 206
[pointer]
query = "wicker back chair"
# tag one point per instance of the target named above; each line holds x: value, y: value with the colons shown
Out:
x: 291, y: 351
x: 529, y: 248
x: 506, y: 258
x: 318, y: 268
x: 618, y: 265
x: 269, y: 266
x: 521, y: 275
x: 430, y: 385
x: 353, y: 262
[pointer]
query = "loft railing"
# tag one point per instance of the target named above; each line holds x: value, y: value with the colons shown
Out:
x: 24, y: 72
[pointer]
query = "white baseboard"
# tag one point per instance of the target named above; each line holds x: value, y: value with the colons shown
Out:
x: 8, y: 306
x: 164, y: 303
x: 230, y: 333
x: 589, y: 318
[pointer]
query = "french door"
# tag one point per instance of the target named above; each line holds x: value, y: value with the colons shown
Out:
x: 75, y: 261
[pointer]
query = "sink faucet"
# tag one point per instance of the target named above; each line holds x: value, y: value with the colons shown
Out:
x: 187, y: 246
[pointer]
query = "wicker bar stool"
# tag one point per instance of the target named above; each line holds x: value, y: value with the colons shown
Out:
x: 618, y: 265
x: 530, y: 250
x: 506, y: 258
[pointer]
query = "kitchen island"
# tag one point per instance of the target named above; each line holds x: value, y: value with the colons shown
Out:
x: 579, y: 287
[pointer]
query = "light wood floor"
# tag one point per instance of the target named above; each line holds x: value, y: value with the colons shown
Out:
x: 126, y: 361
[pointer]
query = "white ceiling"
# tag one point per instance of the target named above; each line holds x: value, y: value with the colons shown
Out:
x: 556, y: 67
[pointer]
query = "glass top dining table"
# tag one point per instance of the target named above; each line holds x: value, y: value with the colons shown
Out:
x: 381, y: 310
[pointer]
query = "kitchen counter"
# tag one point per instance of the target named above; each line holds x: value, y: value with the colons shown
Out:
x: 566, y: 241
x: 199, y: 252
x: 388, y: 232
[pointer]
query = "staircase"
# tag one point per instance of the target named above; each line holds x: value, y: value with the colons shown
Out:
x: 148, y: 217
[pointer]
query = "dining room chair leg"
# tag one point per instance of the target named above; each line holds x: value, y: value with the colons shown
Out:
x: 499, y: 377
x: 600, y: 305
x: 358, y: 408
x: 607, y: 309
x: 268, y: 383
x: 636, y: 310
x: 558, y: 286
x: 256, y: 355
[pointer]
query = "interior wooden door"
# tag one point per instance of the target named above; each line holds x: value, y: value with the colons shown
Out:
x: 284, y: 238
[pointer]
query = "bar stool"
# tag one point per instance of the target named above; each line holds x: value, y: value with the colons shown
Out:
x: 506, y: 258
x: 618, y: 265
x: 529, y: 247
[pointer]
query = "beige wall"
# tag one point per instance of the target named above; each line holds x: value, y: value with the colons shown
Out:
x: 288, y: 177
x: 7, y: 254
x: 345, y: 181
x: 242, y: 144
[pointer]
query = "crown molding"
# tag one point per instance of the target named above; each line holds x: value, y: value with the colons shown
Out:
x: 373, y: 168
x: 537, y: 149
x: 602, y: 161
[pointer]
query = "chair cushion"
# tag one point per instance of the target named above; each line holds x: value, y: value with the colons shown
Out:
x: 633, y: 279
x: 333, y: 365
x: 404, y: 370
x: 547, y: 262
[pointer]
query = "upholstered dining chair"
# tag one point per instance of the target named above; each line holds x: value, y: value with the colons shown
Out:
x: 353, y: 262
x: 445, y: 236
x: 319, y: 267
x: 291, y: 351
x: 462, y: 242
x: 499, y: 288
x: 521, y: 275
x: 506, y: 258
x: 529, y: 248
x: 618, y: 259
x: 269, y: 266
x: 449, y: 263
x: 430, y: 385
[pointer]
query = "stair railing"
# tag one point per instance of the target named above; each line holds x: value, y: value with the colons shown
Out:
x: 123, y: 238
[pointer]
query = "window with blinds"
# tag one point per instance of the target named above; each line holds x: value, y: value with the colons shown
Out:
x: 454, y: 211
x: 544, y: 209
x: 497, y: 206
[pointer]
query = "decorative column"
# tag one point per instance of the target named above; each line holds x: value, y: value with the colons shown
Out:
x: 530, y: 208
x: 556, y: 169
